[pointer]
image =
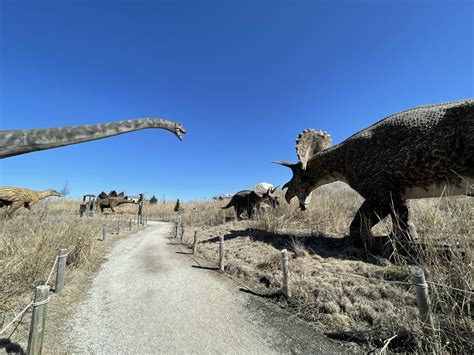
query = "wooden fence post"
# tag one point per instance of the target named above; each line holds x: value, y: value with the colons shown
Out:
x: 130, y: 226
x: 177, y: 228
x: 61, y: 270
x: 182, y: 232
x: 195, y: 242
x: 286, y: 275
x: 422, y: 297
x: 118, y: 226
x: 221, y: 253
x: 103, y: 232
x: 35, y: 338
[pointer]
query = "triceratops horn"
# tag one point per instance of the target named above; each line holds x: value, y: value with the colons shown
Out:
x: 284, y: 163
x: 274, y: 189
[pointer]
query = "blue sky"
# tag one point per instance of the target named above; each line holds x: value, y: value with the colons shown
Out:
x: 243, y: 77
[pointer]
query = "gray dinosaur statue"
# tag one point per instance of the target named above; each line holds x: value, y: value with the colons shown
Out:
x: 250, y: 201
x: 18, y: 142
x: 423, y: 152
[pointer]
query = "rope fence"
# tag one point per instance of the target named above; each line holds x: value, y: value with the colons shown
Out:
x: 418, y: 284
x: 42, y: 298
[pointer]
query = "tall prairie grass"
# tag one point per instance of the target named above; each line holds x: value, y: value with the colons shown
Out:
x: 29, y: 243
x: 333, y: 285
x: 348, y: 306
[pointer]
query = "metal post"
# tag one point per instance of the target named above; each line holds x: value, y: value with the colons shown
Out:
x: 221, y: 253
x: 422, y: 297
x: 286, y: 275
x: 195, y: 242
x: 35, y: 338
x: 61, y: 270
x: 103, y: 232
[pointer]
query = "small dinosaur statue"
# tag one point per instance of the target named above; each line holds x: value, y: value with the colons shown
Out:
x: 111, y: 200
x: 15, y: 197
x: 18, y: 142
x: 250, y: 201
x: 423, y: 152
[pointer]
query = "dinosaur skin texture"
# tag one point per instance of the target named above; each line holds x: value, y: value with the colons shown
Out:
x: 418, y: 153
x: 18, y: 142
x: 16, y: 197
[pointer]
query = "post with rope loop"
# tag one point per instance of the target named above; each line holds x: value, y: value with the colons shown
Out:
x: 286, y: 274
x: 195, y: 242
x: 61, y: 271
x: 422, y: 298
x: 221, y: 253
x: 38, y: 318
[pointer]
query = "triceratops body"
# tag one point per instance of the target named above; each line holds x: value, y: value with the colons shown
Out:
x: 423, y: 152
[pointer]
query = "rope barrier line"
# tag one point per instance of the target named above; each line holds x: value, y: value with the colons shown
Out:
x: 18, y: 316
x: 55, y: 263
x: 52, y: 270
x: 36, y: 304
x: 451, y: 288
x: 40, y: 303
x: 369, y: 278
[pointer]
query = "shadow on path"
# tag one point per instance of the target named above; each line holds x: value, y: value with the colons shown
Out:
x: 204, y: 267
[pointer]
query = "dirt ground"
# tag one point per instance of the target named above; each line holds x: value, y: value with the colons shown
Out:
x: 338, y: 289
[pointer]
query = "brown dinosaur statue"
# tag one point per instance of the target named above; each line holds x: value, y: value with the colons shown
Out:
x: 15, y: 197
x: 18, y: 142
x: 423, y: 152
x: 111, y: 200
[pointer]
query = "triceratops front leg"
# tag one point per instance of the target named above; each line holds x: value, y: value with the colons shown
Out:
x: 368, y: 215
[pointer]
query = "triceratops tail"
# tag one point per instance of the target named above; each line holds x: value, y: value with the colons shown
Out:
x: 228, y: 205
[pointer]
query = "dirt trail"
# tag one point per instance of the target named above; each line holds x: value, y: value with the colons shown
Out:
x: 149, y: 297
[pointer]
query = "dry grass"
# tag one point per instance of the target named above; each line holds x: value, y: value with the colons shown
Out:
x: 30, y: 241
x: 332, y: 285
x: 330, y: 281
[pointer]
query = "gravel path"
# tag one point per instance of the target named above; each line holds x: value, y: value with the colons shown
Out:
x: 148, y: 298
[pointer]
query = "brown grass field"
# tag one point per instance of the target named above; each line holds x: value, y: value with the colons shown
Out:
x: 340, y: 289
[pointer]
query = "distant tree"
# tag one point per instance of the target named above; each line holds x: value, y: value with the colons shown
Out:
x: 177, y: 206
x: 65, y: 190
x: 153, y: 200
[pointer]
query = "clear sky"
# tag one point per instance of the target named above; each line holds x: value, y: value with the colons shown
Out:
x: 243, y: 77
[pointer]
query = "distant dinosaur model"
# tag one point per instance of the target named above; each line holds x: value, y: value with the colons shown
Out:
x: 111, y: 200
x: 247, y: 200
x: 423, y: 152
x: 15, y: 197
x: 26, y: 141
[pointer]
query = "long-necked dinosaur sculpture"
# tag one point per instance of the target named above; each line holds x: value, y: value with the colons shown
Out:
x: 16, y: 197
x: 18, y: 142
x: 422, y: 152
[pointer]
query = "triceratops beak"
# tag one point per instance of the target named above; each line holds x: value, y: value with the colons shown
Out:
x: 288, y: 195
